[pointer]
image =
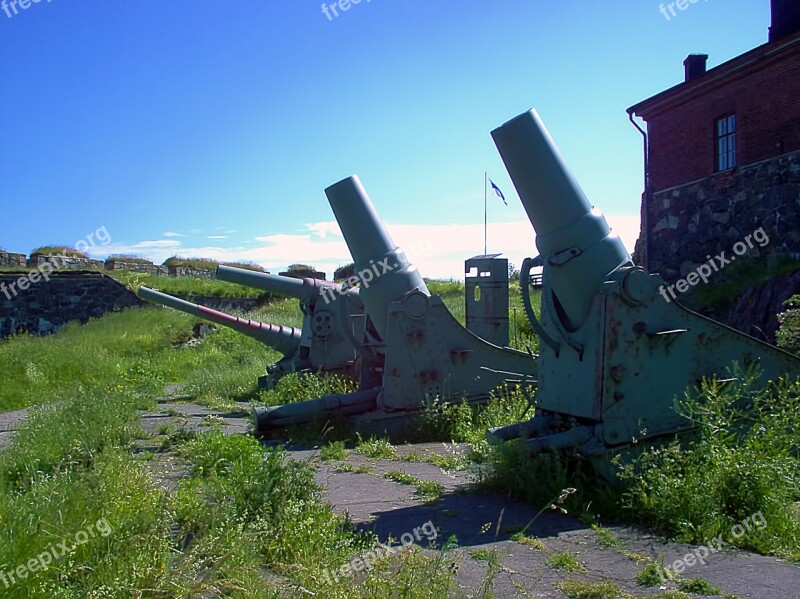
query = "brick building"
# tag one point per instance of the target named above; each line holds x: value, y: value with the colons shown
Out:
x: 722, y: 154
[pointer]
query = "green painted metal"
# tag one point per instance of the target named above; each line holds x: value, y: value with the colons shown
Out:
x: 420, y: 351
x: 373, y: 251
x: 486, y: 298
x: 302, y: 289
x: 332, y: 314
x: 615, y: 353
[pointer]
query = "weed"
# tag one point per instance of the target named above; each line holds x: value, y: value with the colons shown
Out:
x: 698, y: 586
x: 524, y: 539
x: 605, y: 538
x: 577, y: 589
x: 564, y: 561
x: 651, y: 575
x: 362, y: 469
x: 743, y: 461
x: 333, y: 451
x: 376, y: 449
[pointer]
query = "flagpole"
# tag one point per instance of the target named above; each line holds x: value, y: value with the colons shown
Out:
x: 485, y: 226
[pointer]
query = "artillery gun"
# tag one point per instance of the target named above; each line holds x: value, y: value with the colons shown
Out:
x: 325, y: 341
x: 284, y: 340
x: 420, y: 351
x: 613, y: 352
x: 318, y: 347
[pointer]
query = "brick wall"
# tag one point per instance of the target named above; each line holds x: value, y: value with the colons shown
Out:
x: 765, y: 96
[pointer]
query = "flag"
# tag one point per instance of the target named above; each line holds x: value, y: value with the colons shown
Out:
x: 497, y: 192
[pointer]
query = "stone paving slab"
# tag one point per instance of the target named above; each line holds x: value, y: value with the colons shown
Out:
x: 9, y: 423
x: 483, y: 523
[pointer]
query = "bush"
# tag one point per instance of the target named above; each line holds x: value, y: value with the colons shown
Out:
x: 788, y: 334
x: 743, y: 461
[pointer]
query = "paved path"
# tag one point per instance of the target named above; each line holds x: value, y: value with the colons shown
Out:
x: 9, y: 422
x: 482, y: 523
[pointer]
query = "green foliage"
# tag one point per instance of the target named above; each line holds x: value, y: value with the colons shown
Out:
x: 523, y: 539
x: 189, y: 286
x: 788, y: 334
x: 743, y: 462
x: 296, y: 387
x: 298, y: 268
x: 58, y: 250
x: 128, y: 258
x: 246, y: 266
x: 698, y: 586
x: 605, y: 538
x: 651, y: 575
x: 196, y: 263
x: 136, y: 347
x: 564, y: 561
x: 333, y: 451
x: 344, y: 272
x: 462, y: 422
x: 537, y: 479
x: 87, y: 425
x: 576, y: 589
x: 738, y: 277
x: 376, y: 449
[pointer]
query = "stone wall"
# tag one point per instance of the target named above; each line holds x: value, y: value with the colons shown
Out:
x: 755, y: 312
x: 689, y: 223
x: 11, y: 260
x: 186, y: 271
x: 47, y: 305
x: 147, y: 268
x: 65, y: 262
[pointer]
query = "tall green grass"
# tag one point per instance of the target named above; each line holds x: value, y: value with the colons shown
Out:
x: 744, y: 460
x: 239, y: 525
x: 187, y: 285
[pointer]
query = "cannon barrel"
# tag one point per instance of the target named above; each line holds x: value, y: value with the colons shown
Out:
x: 302, y: 289
x: 284, y: 339
x: 573, y: 239
x: 374, y: 253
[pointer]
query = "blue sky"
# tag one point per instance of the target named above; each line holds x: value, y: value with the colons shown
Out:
x: 210, y: 129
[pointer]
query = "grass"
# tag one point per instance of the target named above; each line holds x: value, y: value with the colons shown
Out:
x: 788, y: 334
x: 730, y: 474
x: 605, y: 538
x: 189, y: 286
x: 333, y: 451
x: 523, y: 539
x: 128, y: 258
x: 241, y: 513
x: 362, y: 469
x: 651, y: 575
x: 743, y: 274
x: 58, y: 250
x: 564, y: 561
x: 698, y: 586
x: 376, y: 449
x: 428, y: 490
x: 577, y: 589
x: 238, y: 514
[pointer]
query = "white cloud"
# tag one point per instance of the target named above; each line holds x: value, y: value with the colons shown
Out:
x: 439, y: 251
x: 173, y: 234
x: 217, y: 237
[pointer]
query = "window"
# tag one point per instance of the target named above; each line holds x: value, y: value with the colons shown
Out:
x: 726, y: 142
